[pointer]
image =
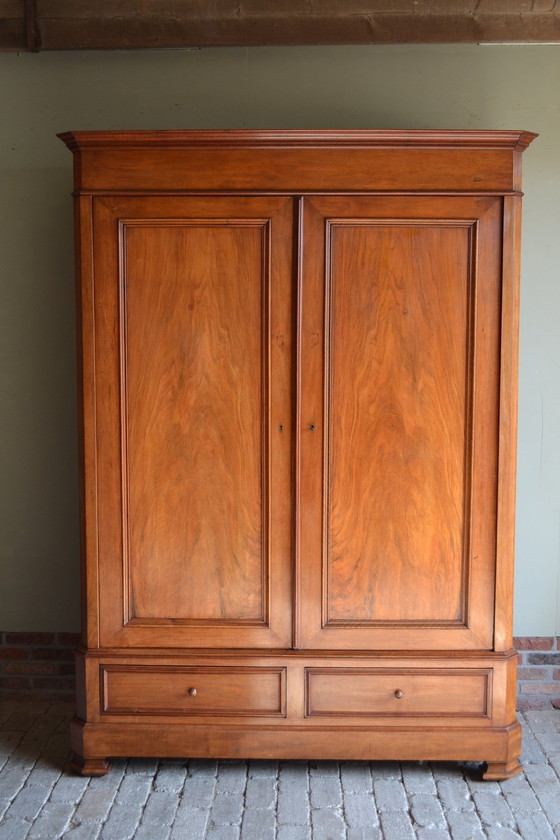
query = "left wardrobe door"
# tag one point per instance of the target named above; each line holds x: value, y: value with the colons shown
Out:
x: 188, y: 358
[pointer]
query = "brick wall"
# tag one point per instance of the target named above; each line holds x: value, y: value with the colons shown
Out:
x: 42, y: 665
x: 538, y: 672
x: 38, y: 664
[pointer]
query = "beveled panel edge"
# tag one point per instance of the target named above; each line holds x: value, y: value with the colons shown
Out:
x: 124, y: 224
x: 471, y: 226
x: 294, y: 138
x: 469, y: 507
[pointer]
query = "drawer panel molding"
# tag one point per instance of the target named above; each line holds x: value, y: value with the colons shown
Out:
x: 367, y: 692
x: 196, y: 690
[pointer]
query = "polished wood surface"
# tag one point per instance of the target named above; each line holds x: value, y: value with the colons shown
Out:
x: 359, y: 693
x: 292, y: 674
x: 397, y: 341
x: 237, y: 740
x: 429, y: 709
x: 298, y: 425
x: 399, y: 362
x: 194, y: 302
x: 350, y: 138
x: 210, y: 690
x: 356, y: 160
x: 195, y: 375
x: 505, y: 531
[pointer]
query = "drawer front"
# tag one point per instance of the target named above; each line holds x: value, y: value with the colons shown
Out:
x: 204, y: 690
x: 372, y: 692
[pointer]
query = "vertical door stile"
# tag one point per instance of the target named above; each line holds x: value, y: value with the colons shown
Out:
x: 87, y: 396
x: 312, y: 426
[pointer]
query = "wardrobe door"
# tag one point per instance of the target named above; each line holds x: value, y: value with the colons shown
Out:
x: 192, y: 307
x: 398, y: 422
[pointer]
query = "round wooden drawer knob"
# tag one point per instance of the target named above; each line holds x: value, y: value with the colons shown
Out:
x: 399, y: 694
x: 193, y: 692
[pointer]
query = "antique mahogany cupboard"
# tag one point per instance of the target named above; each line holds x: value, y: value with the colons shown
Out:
x: 298, y: 405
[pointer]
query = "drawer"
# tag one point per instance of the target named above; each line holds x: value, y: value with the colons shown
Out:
x: 372, y: 692
x: 204, y: 690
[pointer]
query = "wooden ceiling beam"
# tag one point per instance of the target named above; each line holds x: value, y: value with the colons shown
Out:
x: 145, y: 24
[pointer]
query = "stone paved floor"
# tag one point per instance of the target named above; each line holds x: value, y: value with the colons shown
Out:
x: 209, y: 800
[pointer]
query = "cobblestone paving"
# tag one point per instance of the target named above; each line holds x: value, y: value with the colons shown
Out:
x: 267, y: 800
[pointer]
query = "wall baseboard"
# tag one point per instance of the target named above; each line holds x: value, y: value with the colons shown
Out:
x: 41, y: 666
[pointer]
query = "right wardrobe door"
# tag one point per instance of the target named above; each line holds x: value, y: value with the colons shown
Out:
x: 400, y: 300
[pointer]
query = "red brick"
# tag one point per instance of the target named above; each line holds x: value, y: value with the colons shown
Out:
x: 534, y: 643
x: 66, y: 670
x: 525, y: 704
x: 556, y: 702
x: 54, y: 683
x: 16, y: 682
x: 556, y: 674
x: 29, y: 638
x: 66, y: 654
x: 532, y: 674
x: 538, y: 688
x: 543, y: 658
x: 29, y: 668
x: 14, y: 653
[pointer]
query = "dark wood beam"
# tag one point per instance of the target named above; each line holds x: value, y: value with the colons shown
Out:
x: 131, y: 24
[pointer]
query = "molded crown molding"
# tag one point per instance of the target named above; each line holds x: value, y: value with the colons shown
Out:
x: 296, y: 138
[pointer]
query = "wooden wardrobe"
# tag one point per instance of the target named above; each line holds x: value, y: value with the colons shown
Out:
x: 298, y: 409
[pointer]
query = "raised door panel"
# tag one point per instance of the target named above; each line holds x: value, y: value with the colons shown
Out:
x: 193, y: 390
x: 399, y: 385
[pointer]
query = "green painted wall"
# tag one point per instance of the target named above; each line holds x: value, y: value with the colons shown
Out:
x: 314, y: 87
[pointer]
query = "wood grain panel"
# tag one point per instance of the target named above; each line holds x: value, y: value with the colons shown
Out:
x: 497, y: 670
x: 198, y: 691
x: 362, y: 693
x: 195, y: 310
x: 505, y: 534
x: 296, y: 170
x: 367, y: 743
x: 399, y: 328
x: 193, y: 305
x: 399, y: 365
x: 298, y: 161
